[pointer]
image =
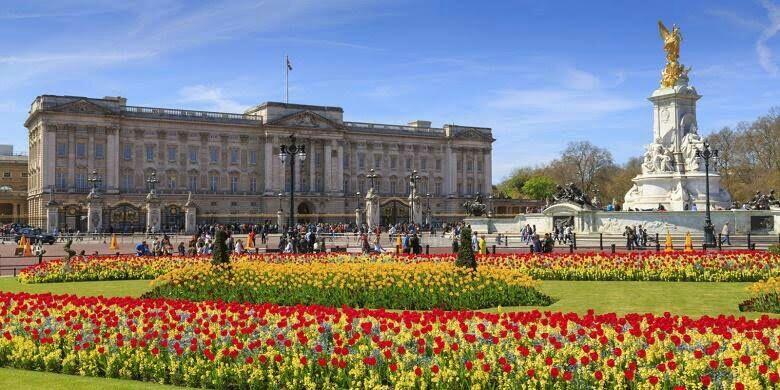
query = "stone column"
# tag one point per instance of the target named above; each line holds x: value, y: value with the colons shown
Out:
x: 328, y: 168
x: 312, y: 167
x: 91, y: 149
x: 339, y: 184
x: 488, y: 171
x: 268, y: 166
x: 94, y: 212
x: 450, y: 174
x: 48, y: 150
x: 190, y: 216
x: 112, y: 160
x: 52, y: 217
x: 71, y: 182
x: 153, y: 213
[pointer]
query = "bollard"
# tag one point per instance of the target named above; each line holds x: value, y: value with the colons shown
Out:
x: 704, y: 246
x: 612, y: 248
x: 657, y: 243
x: 601, y: 242
x: 720, y: 242
x: 506, y: 241
x: 397, y: 249
x: 530, y: 249
x: 494, y: 249
x: 574, y: 240
x: 427, y: 248
x: 748, y: 238
x: 571, y: 248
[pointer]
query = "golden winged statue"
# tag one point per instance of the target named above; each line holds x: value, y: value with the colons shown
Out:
x: 673, y: 70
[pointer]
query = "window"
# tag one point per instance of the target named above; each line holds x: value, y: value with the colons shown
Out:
x: 214, y: 154
x: 438, y: 164
x: 377, y: 161
x: 479, y: 166
x: 25, y: 174
x: 193, y: 152
x: 81, y: 181
x: 346, y: 161
x: 150, y: 152
x: 318, y: 159
x: 362, y: 186
x: 460, y: 188
x: 100, y: 151
x: 460, y: 164
x: 127, y: 182
x: 470, y: 165
x: 253, y: 184
x: 193, y: 183
x: 172, y: 182
x: 172, y: 149
x: 81, y: 150
x: 470, y: 187
x: 61, y: 180
x: 361, y: 161
x: 127, y: 153
x: 213, y: 183
x: 408, y: 163
x: 437, y: 188
x: 423, y: 164
x: 393, y: 162
x: 6, y: 174
x: 234, y: 155
x: 253, y: 157
x: 62, y: 149
x: 393, y: 185
x: 234, y: 184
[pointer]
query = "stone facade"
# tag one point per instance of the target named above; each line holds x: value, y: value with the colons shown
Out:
x: 229, y: 162
x: 13, y: 186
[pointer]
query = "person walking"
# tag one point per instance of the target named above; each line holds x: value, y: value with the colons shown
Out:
x: 724, y: 234
x: 482, y: 245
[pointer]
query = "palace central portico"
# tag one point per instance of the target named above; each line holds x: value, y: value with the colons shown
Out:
x: 229, y: 163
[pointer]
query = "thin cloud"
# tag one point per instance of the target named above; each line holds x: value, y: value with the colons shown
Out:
x: 765, y: 57
x: 736, y: 19
x: 210, y: 98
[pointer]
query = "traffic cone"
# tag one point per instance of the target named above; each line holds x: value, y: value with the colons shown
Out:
x: 669, y: 246
x: 688, y: 242
x: 27, y: 248
x: 113, y: 246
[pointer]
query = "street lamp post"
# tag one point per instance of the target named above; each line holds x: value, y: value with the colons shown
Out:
x: 428, y: 209
x: 371, y: 176
x: 292, y: 151
x: 706, y: 154
x: 152, y: 181
x: 281, y: 196
x: 95, y: 180
x: 490, y: 206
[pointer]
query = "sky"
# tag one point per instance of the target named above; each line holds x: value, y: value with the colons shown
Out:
x: 540, y: 74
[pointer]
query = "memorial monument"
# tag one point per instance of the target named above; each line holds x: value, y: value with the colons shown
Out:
x: 672, y: 175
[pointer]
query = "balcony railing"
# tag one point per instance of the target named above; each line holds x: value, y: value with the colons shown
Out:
x: 173, y: 113
x: 383, y: 128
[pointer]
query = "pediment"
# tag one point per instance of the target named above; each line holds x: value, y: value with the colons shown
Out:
x: 472, y: 134
x: 81, y: 106
x: 305, y: 119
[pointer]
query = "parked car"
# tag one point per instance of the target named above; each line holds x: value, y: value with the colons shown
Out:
x: 35, y: 235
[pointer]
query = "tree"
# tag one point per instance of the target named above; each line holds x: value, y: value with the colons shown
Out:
x: 220, y: 253
x: 539, y: 187
x: 465, y: 251
x: 586, y: 163
x: 512, y: 186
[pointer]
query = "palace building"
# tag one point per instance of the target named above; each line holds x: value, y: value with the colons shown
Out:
x: 13, y: 186
x: 229, y: 163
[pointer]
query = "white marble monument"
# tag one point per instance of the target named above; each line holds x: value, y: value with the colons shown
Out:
x: 372, y: 208
x: 672, y: 175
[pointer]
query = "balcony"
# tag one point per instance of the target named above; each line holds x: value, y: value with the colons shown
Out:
x: 177, y: 114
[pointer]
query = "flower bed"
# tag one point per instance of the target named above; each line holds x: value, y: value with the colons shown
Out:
x: 764, y: 297
x: 219, y: 345
x: 394, y: 285
x: 711, y: 266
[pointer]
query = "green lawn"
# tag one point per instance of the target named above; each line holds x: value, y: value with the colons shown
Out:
x: 20, y: 379
x: 692, y: 299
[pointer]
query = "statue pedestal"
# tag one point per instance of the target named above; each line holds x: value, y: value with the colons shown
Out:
x: 190, y: 216
x: 52, y: 217
x: 280, y: 219
x: 153, y: 213
x: 94, y: 213
x: 676, y: 192
x: 372, y: 210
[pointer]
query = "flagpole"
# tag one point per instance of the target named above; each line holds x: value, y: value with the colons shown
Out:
x: 286, y: 80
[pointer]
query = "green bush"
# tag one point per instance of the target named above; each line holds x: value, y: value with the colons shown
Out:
x: 220, y: 253
x: 774, y: 249
x: 466, y: 256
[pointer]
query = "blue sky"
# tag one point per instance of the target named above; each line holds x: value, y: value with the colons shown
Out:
x: 539, y: 73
